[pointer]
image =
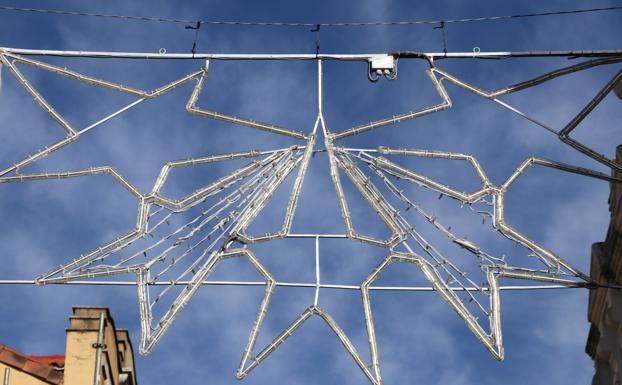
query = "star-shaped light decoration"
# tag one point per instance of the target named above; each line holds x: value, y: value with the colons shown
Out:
x: 177, y: 243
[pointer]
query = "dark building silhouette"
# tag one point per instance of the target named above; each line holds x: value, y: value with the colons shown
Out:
x: 604, y: 343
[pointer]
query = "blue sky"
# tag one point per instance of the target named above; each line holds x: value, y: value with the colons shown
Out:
x: 421, y: 340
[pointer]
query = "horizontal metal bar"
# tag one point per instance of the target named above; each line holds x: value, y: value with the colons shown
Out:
x: 165, y: 55
x: 353, y: 149
x: 316, y: 236
x: 475, y: 54
x: 292, y: 284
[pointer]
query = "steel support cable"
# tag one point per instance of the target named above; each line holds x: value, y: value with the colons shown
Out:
x: 303, y: 24
x: 248, y: 200
x: 251, y: 197
x: 498, y: 192
x: 428, y: 217
x: 140, y: 229
x: 198, y: 228
x: 441, y: 261
x: 500, y: 224
x: 292, y: 202
x: 228, y: 200
x: 203, y: 272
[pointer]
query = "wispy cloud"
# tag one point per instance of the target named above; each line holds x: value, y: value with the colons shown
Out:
x: 421, y: 339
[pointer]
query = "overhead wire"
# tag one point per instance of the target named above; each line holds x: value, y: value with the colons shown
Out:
x: 306, y: 24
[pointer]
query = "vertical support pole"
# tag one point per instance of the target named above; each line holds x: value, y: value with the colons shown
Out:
x: 317, y: 270
x: 320, y: 98
x: 7, y: 373
x: 320, y: 92
x: 99, y: 345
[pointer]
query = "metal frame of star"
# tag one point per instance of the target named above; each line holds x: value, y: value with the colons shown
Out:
x: 241, y: 195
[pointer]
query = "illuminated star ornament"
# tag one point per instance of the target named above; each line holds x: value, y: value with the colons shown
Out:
x: 178, y: 242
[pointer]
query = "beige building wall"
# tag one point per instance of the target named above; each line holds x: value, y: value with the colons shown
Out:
x: 17, y: 377
x: 115, y: 355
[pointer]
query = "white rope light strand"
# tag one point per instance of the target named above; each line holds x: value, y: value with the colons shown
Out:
x: 177, y: 243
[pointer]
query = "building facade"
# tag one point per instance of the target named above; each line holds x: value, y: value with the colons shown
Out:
x: 96, y: 353
x: 604, y: 343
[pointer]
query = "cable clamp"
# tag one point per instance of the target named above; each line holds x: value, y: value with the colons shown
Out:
x: 316, y: 29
